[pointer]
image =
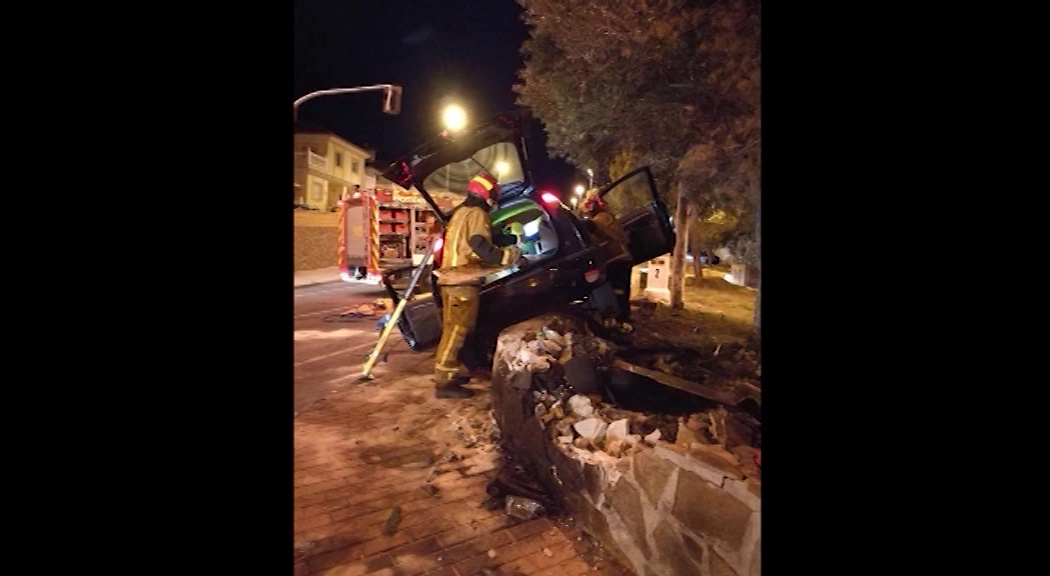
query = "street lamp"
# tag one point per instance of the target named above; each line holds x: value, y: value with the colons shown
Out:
x: 574, y: 200
x: 501, y: 169
x: 590, y: 178
x: 579, y: 189
x: 391, y: 101
x: 455, y: 118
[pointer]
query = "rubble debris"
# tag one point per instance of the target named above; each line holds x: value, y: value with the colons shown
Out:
x: 651, y: 439
x: 390, y: 526
x: 512, y: 480
x: 581, y: 406
x: 430, y: 489
x: 617, y: 430
x: 524, y: 508
x: 491, y: 553
x: 595, y: 407
x: 592, y: 429
x: 547, y: 552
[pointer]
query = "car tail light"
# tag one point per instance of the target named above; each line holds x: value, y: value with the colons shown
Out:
x: 592, y: 275
x: 550, y: 198
x: 439, y: 243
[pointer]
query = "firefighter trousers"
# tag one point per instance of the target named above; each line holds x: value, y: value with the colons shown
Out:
x: 459, y: 315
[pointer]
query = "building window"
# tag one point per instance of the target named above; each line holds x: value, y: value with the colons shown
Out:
x: 354, y: 166
x: 338, y: 158
x: 317, y: 194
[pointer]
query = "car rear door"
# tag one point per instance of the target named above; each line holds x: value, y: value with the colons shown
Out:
x: 644, y: 217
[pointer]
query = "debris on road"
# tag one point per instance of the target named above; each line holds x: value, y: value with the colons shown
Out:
x: 524, y: 508
x: 390, y: 527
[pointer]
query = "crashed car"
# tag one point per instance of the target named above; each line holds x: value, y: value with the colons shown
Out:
x: 563, y: 265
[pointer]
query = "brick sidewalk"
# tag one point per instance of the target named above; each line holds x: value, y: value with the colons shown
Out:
x: 377, y: 445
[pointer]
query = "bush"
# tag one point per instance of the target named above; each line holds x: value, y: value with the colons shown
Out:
x: 745, y: 250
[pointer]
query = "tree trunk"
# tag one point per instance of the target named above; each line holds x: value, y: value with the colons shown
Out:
x: 698, y: 269
x: 678, y: 256
x: 695, y: 243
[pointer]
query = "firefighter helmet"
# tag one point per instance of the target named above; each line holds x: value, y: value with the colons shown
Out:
x: 484, y: 185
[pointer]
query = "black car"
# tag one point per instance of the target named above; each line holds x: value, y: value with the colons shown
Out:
x: 564, y: 265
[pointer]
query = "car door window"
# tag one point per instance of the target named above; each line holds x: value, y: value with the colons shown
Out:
x: 641, y: 213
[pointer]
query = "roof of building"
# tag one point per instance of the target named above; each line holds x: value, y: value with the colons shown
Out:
x: 302, y: 127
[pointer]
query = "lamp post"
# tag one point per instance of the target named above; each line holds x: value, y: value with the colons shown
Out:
x: 590, y: 178
x: 579, y: 190
x: 391, y: 103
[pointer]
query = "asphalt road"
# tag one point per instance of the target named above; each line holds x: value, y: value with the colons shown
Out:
x: 329, y: 355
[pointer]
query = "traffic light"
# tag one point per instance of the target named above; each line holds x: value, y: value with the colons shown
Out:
x: 392, y: 103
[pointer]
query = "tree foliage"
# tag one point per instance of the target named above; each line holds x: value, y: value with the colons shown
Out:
x: 674, y: 84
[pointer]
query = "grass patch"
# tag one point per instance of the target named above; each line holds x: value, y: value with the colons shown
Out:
x: 716, y: 312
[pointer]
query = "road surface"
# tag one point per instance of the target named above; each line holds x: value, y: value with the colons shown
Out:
x: 329, y: 355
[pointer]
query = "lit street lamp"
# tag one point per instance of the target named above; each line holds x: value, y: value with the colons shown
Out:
x: 574, y: 200
x: 455, y: 118
x: 590, y: 178
x: 579, y: 189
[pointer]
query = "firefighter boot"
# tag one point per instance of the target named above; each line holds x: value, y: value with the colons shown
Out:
x: 449, y: 382
x: 452, y: 392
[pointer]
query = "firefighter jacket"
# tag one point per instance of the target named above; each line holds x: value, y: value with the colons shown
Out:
x: 469, y: 254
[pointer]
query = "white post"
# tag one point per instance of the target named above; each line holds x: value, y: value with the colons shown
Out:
x: 658, y: 279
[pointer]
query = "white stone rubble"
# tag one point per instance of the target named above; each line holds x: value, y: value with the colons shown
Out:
x: 581, y: 406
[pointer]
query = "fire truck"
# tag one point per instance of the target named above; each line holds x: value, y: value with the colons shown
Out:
x: 384, y: 229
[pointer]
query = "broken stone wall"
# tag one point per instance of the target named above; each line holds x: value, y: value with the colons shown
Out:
x: 663, y: 509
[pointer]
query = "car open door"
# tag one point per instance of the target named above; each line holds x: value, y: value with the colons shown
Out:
x: 633, y: 200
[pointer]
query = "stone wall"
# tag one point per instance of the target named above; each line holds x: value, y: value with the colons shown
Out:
x: 316, y: 240
x: 669, y: 513
x: 663, y: 509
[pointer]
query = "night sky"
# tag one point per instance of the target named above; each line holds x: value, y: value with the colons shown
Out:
x: 466, y: 51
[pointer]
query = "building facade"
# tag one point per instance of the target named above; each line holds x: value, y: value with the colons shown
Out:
x: 327, y: 167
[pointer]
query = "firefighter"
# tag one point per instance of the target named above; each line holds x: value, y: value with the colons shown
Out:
x: 613, y: 299
x: 469, y: 255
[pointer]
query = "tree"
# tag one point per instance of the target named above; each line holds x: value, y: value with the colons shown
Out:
x: 675, y: 82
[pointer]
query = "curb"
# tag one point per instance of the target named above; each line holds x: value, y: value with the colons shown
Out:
x: 337, y: 281
x: 318, y: 283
